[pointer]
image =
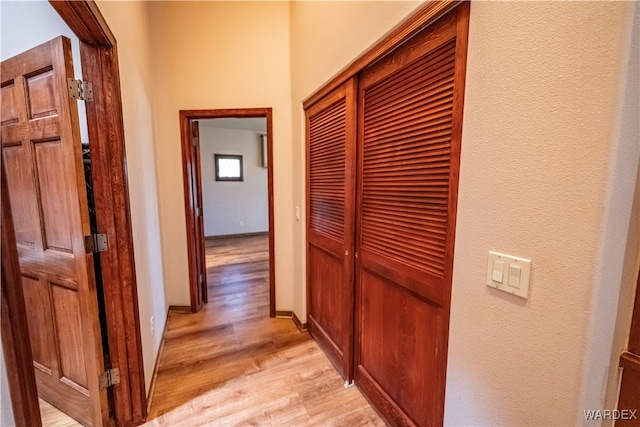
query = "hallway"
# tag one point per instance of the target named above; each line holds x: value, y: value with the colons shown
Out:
x: 230, y: 364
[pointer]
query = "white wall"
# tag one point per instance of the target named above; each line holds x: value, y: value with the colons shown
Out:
x: 129, y: 22
x: 6, y: 410
x: 210, y: 55
x: 233, y: 207
x: 27, y: 24
x: 548, y: 172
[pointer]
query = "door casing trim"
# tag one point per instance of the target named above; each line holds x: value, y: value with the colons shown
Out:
x: 190, y: 213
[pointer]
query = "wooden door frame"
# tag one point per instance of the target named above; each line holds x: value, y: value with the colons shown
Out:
x: 99, y: 59
x: 188, y: 159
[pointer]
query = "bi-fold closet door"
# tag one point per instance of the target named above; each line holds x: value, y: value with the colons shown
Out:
x: 331, y: 168
x: 379, y: 282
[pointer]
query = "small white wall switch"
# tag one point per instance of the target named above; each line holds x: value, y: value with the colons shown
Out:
x: 509, y: 274
x: 514, y: 276
x: 297, y: 213
x: 498, y: 271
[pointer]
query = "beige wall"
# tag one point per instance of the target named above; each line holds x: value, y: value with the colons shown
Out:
x: 130, y: 24
x: 620, y: 249
x: 540, y: 154
x: 548, y: 173
x: 221, y: 55
x: 324, y: 40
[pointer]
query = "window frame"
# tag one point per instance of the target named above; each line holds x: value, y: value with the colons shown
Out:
x: 217, y: 157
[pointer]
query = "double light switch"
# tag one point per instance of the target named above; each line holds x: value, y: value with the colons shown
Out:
x: 508, y: 273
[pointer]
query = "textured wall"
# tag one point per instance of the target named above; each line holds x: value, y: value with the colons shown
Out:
x: 620, y: 246
x: 539, y: 146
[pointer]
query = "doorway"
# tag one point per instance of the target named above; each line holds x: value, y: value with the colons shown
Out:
x: 191, y: 122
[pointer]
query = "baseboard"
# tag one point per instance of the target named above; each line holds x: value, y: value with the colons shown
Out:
x: 302, y: 327
x: 284, y: 314
x: 180, y: 308
x: 258, y: 233
x: 154, y: 376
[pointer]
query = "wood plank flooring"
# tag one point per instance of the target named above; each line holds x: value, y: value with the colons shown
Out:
x: 53, y: 417
x: 230, y: 364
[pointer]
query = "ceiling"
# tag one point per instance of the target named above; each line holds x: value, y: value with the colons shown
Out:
x: 256, y: 124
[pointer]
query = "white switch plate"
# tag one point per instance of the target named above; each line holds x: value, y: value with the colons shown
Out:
x: 509, y: 265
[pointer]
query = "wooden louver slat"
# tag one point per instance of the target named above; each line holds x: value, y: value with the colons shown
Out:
x: 406, y: 155
x: 327, y: 132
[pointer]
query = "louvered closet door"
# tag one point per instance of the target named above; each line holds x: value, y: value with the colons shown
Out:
x: 330, y: 235
x: 410, y: 114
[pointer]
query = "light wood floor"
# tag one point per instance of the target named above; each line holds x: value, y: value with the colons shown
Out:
x: 230, y: 364
x: 53, y: 417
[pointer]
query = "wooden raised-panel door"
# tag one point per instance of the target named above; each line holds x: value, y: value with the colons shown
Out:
x: 409, y: 131
x: 629, y: 400
x: 43, y: 164
x: 330, y: 220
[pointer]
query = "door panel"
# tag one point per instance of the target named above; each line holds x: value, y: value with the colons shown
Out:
x: 409, y: 129
x: 392, y: 352
x: 54, y: 200
x: 327, y: 268
x: 330, y: 224
x: 9, y: 111
x: 66, y: 318
x: 40, y: 93
x: 195, y: 174
x: 45, y: 176
x: 41, y: 331
x: 26, y: 203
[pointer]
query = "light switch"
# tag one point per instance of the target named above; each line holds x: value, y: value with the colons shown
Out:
x: 509, y: 274
x: 498, y: 271
x: 514, y: 276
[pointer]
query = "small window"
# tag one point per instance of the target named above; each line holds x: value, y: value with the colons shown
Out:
x: 228, y: 167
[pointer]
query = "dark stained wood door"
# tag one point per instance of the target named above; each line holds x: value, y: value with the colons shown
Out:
x: 330, y: 221
x: 42, y: 159
x: 629, y: 400
x: 196, y: 198
x: 409, y: 132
